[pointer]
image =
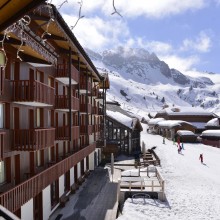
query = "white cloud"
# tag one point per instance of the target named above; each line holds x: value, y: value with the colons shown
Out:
x: 180, y: 63
x: 96, y: 33
x: 201, y: 44
x: 131, y: 8
x: 159, y: 47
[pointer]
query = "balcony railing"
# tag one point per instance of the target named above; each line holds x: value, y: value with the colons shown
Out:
x: 101, y: 111
x: 83, y: 108
x: 19, y: 195
x: 32, y: 91
x: 85, y: 84
x: 5, y: 141
x: 62, y: 72
x: 86, y: 128
x: 62, y: 133
x: 33, y: 139
x: 95, y: 92
x: 100, y: 95
x: 62, y: 102
x: 95, y: 110
x: 2, y: 143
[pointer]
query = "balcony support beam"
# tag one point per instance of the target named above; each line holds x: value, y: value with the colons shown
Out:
x: 69, y: 88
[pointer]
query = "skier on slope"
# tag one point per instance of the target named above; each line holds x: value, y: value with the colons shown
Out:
x: 201, y: 158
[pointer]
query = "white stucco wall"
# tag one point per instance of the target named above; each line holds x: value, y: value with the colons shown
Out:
x: 72, y: 181
x: 78, y: 170
x: 61, y: 185
x: 91, y: 161
x: 27, y: 210
x: 46, y: 203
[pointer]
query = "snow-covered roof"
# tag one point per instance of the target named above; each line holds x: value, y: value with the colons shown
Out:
x: 124, y: 119
x: 213, y: 122
x: 154, y: 121
x: 211, y: 133
x: 186, y: 111
x: 171, y: 123
x: 185, y: 133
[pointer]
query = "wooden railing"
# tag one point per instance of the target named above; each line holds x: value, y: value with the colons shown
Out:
x: 62, y: 102
x: 62, y: 133
x: 85, y: 84
x: 32, y: 91
x: 146, y: 184
x: 95, y: 92
x: 101, y: 111
x: 95, y: 110
x: 86, y: 128
x: 19, y: 195
x: 2, y: 143
x: 33, y: 139
x: 62, y: 71
x: 83, y: 108
x: 100, y: 95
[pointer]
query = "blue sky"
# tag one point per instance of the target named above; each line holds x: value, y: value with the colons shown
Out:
x: 185, y: 34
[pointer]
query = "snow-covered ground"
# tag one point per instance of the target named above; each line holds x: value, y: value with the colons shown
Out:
x: 192, y: 189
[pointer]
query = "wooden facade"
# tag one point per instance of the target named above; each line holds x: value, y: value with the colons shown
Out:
x: 51, y: 113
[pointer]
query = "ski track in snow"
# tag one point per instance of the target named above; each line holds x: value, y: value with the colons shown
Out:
x: 192, y: 189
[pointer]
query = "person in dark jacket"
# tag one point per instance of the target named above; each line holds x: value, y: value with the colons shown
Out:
x: 201, y: 158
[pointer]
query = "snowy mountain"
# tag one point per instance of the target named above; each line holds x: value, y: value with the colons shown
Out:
x: 142, y: 83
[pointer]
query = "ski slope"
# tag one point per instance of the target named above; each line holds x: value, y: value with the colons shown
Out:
x: 192, y: 189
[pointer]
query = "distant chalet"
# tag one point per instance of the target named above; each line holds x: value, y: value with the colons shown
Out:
x: 122, y: 129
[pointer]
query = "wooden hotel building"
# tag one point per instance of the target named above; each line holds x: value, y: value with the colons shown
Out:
x: 52, y: 104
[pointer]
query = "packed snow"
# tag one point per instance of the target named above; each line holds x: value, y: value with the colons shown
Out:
x: 192, y: 188
x: 211, y: 133
x: 185, y: 132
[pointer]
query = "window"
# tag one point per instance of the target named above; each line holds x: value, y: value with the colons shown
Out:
x: 2, y: 172
x: 1, y: 115
x: 38, y: 158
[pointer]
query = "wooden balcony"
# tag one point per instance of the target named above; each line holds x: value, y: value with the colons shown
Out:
x: 33, y: 139
x: 62, y: 103
x: 63, y: 74
x: 95, y: 110
x: 62, y: 133
x: 101, y: 111
x: 85, y: 85
x: 84, y: 107
x: 6, y: 93
x: 32, y: 93
x: 2, y: 143
x: 100, y: 95
x: 95, y: 92
x: 19, y: 195
x: 84, y: 129
x: 96, y: 128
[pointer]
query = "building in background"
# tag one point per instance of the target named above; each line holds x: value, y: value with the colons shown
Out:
x: 122, y: 130
x: 52, y: 112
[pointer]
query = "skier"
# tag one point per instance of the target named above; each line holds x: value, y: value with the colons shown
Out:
x: 178, y: 142
x: 201, y: 158
x: 163, y: 140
